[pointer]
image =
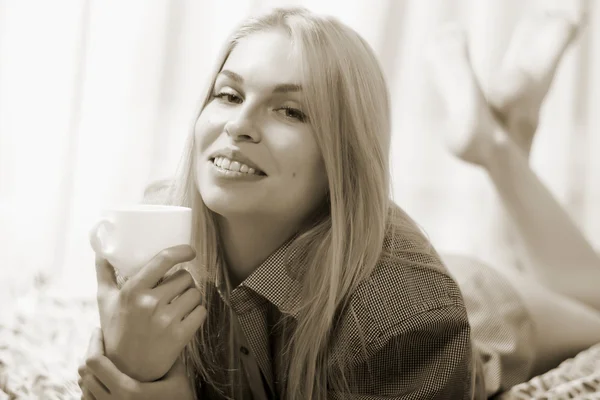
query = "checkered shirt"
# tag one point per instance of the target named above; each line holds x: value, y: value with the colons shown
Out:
x: 413, y: 320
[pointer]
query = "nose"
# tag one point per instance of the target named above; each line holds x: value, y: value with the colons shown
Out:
x: 243, y: 128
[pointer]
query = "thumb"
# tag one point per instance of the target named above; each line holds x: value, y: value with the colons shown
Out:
x: 105, y: 275
x: 96, y: 345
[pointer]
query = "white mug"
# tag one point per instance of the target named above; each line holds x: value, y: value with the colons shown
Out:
x: 129, y: 237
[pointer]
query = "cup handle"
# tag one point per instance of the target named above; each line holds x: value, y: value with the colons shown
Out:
x: 100, y: 245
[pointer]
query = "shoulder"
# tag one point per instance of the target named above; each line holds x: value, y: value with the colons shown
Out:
x: 400, y: 291
x: 409, y: 285
x: 407, y: 324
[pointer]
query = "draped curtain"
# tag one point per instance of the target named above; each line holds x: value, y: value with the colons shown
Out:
x: 97, y: 97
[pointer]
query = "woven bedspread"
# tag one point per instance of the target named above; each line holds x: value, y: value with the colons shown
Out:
x: 576, y: 378
x: 42, y: 343
x: 45, y: 339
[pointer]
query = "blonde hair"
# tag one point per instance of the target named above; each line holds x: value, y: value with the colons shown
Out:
x: 349, y: 113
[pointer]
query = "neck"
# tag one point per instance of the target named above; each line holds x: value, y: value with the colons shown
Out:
x: 248, y: 242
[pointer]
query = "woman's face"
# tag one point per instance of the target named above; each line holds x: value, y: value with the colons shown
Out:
x: 256, y: 155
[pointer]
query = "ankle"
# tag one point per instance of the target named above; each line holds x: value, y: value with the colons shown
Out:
x: 522, y: 129
x: 500, y: 145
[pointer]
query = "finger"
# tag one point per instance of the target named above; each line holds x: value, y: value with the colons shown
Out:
x: 155, y: 270
x: 87, y: 395
x: 95, y: 346
x: 105, y: 275
x: 96, y: 388
x: 107, y: 373
x: 185, y: 303
x: 174, y: 385
x: 192, y: 322
x: 174, y: 286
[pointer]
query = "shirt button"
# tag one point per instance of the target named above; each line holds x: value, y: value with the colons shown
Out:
x: 244, y: 350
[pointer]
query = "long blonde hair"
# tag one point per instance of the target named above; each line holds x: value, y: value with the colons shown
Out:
x: 349, y: 112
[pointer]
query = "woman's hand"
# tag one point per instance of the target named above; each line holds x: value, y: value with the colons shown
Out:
x: 101, y: 380
x: 145, y: 325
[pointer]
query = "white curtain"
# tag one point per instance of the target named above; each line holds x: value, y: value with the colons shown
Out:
x: 96, y: 99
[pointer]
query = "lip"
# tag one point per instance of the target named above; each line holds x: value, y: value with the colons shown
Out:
x: 236, y: 155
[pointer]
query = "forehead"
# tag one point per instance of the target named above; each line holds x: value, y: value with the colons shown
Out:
x: 265, y: 58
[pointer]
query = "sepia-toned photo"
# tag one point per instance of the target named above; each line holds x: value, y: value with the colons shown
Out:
x: 299, y: 199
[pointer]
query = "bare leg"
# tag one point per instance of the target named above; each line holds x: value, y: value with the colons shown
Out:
x: 563, y: 325
x: 555, y: 251
x: 516, y: 95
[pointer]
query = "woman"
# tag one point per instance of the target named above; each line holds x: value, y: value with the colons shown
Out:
x: 312, y: 279
x: 321, y: 287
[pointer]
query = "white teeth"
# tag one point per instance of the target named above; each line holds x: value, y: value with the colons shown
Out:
x: 234, y: 166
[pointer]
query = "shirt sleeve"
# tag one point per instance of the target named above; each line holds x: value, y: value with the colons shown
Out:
x: 426, y: 357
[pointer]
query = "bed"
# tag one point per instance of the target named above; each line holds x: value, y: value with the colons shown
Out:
x: 44, y: 338
x: 575, y: 378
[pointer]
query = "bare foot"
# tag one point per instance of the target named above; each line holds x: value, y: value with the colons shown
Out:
x: 471, y: 122
x: 527, y: 71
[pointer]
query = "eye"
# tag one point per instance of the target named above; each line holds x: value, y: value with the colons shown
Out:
x: 294, y: 113
x: 227, y: 96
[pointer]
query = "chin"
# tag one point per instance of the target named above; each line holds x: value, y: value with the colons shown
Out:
x: 226, y: 204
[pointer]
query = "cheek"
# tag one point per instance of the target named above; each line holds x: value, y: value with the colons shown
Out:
x: 320, y: 177
x: 308, y: 169
x: 206, y: 129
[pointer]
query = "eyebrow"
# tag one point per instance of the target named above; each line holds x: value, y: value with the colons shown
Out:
x: 281, y: 88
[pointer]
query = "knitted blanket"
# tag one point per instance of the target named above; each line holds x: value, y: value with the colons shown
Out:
x: 45, y: 337
x: 575, y: 378
x: 42, y: 342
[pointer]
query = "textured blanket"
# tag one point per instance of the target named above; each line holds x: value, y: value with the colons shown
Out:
x: 42, y: 342
x: 44, y: 339
x: 575, y: 378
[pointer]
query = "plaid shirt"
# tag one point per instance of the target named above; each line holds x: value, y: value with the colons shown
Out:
x: 413, y: 320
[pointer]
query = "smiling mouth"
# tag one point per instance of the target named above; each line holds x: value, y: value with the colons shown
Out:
x: 226, y: 164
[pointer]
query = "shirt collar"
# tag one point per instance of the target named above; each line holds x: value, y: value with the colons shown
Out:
x: 274, y: 280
